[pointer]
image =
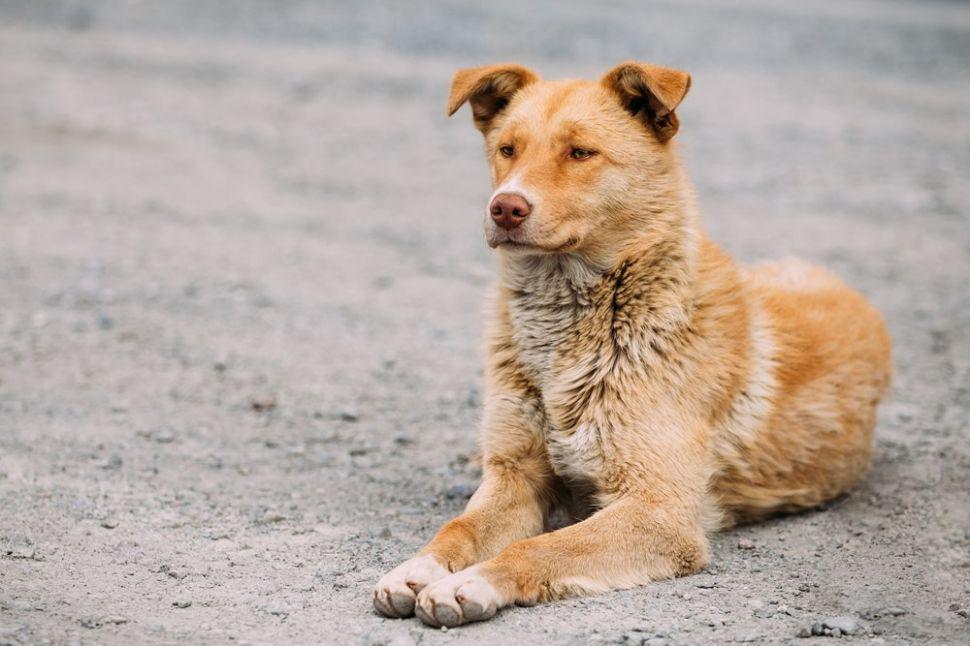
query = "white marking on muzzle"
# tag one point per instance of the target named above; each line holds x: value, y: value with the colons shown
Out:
x: 513, y: 185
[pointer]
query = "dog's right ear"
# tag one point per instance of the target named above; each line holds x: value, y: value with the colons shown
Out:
x: 488, y: 90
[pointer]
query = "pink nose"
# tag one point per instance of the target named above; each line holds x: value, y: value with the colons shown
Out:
x: 509, y: 210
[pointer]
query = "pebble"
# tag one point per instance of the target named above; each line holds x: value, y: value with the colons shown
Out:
x: 109, y: 523
x: 182, y: 603
x: 831, y: 627
x: 164, y: 436
x: 113, y: 463
x: 262, y: 403
x: 348, y: 415
x: 90, y: 622
x: 114, y: 619
x: 462, y: 491
x: 25, y: 552
x: 745, y: 544
x: 20, y: 604
x: 843, y: 623
x: 272, y: 516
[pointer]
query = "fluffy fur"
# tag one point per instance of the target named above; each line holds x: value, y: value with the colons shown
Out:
x: 636, y: 376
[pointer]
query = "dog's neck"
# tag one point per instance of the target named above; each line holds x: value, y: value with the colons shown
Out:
x: 642, y: 295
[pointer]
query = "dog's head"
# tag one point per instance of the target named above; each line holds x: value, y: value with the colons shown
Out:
x: 577, y: 166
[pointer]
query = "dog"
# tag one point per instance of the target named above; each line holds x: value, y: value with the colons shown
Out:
x: 635, y: 376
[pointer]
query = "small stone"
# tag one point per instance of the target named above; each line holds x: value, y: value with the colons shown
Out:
x: 164, y: 436
x: 262, y: 403
x: 745, y: 544
x: 19, y: 604
x: 803, y: 632
x: 817, y: 629
x: 90, y: 622
x: 844, y: 624
x: 272, y: 516
x: 348, y: 415
x: 117, y: 620
x: 105, y: 322
x: 462, y: 491
x: 25, y: 552
x: 113, y: 463
x: 182, y: 603
x: 109, y: 523
x: 894, y: 611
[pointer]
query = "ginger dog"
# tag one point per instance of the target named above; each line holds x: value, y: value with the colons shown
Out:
x: 636, y: 376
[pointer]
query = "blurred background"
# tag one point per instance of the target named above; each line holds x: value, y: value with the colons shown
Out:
x: 242, y: 281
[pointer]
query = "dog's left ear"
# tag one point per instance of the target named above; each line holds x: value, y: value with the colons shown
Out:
x: 488, y: 89
x: 650, y: 93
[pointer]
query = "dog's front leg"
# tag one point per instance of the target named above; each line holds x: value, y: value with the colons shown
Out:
x: 510, y: 505
x: 630, y: 542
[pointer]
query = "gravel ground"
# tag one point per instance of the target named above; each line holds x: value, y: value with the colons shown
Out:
x: 242, y: 280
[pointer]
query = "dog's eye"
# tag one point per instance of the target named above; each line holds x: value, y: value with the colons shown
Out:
x: 581, y: 153
x: 507, y: 151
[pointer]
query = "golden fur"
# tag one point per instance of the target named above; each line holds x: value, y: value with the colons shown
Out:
x: 636, y: 376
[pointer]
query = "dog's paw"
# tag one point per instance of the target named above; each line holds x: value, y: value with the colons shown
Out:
x: 457, y: 599
x: 395, y: 593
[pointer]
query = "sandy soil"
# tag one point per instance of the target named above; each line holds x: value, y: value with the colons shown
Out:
x: 242, y: 279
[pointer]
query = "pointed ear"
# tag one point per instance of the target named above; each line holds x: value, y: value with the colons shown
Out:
x: 488, y: 89
x: 650, y: 93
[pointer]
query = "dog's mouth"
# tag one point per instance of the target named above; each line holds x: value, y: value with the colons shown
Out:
x: 504, y: 240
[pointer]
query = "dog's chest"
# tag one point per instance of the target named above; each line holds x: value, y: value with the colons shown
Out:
x: 554, y: 330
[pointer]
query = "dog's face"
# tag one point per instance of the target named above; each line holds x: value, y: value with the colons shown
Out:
x: 574, y: 163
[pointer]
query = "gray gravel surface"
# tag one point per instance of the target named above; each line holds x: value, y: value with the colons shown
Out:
x: 241, y: 291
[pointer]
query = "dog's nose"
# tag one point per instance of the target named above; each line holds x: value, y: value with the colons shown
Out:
x: 509, y: 210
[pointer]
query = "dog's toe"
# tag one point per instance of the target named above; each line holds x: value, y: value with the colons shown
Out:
x: 460, y: 598
x: 395, y: 593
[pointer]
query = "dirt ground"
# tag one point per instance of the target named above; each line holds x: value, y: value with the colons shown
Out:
x: 241, y: 290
